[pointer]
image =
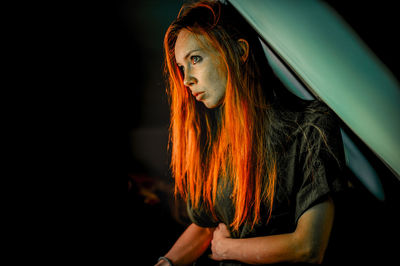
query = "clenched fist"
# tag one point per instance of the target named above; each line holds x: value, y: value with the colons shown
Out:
x: 219, y: 245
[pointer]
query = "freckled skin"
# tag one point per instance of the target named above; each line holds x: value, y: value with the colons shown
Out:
x: 208, y: 74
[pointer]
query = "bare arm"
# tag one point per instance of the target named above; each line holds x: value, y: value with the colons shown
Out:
x: 306, y: 244
x: 189, y: 246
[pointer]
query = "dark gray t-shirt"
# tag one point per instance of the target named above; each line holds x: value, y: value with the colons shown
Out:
x: 307, y: 172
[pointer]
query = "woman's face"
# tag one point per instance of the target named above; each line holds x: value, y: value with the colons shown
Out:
x: 202, y: 66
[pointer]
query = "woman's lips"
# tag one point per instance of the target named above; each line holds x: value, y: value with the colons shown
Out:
x: 199, y: 95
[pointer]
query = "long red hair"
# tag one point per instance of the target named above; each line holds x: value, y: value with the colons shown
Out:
x: 231, y: 142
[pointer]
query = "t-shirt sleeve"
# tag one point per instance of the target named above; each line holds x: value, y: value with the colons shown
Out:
x: 321, y: 162
x: 200, y: 216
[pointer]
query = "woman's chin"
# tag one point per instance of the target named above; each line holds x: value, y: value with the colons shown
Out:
x: 210, y: 104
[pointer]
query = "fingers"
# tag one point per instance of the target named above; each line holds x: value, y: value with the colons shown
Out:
x: 222, y: 231
x: 223, y: 226
x: 218, y: 245
x: 214, y: 253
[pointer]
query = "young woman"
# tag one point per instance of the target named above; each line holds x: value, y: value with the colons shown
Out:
x: 257, y: 166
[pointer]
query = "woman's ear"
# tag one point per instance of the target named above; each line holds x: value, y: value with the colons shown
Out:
x: 244, y: 47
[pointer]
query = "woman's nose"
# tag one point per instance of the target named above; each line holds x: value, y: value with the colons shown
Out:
x: 189, y: 80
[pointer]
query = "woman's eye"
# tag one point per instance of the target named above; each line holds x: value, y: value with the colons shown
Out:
x: 195, y: 59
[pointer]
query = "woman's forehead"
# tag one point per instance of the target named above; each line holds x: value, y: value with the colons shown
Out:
x: 187, y: 42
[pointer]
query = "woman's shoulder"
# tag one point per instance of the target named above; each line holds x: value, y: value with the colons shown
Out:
x: 319, y: 128
x: 308, y: 122
x: 304, y: 113
x: 317, y: 114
